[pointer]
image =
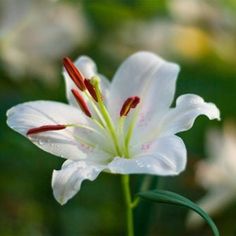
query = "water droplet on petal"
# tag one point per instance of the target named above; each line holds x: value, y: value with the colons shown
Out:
x: 40, y: 142
x: 140, y: 164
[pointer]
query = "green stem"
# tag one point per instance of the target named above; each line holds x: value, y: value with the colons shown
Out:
x: 128, y: 202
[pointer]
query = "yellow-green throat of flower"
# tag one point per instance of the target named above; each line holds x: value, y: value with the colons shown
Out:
x: 88, y: 91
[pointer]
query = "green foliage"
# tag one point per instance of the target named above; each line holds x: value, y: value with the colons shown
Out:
x: 167, y: 197
x: 107, y: 14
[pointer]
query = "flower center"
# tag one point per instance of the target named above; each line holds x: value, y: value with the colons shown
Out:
x: 88, y: 91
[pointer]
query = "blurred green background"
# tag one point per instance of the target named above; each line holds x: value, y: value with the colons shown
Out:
x: 36, y: 34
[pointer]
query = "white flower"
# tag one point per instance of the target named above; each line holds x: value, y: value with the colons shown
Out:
x: 217, y: 174
x: 168, y: 38
x: 182, y: 35
x: 131, y: 129
x: 39, y: 32
x: 194, y: 11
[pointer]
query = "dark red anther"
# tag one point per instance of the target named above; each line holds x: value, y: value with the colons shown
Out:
x: 45, y: 128
x: 91, y: 89
x: 135, y: 102
x: 74, y: 73
x: 81, y: 102
x: 129, y: 103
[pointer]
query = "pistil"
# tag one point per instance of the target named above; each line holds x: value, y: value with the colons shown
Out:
x: 91, y: 89
x: 95, y: 82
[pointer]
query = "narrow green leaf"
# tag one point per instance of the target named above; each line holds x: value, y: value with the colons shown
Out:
x: 167, y: 197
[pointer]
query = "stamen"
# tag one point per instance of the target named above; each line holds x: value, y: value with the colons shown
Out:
x: 91, y: 89
x: 129, y: 103
x: 45, y: 128
x: 74, y: 73
x: 81, y: 102
x: 95, y: 82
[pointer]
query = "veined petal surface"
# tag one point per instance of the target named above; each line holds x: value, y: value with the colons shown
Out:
x: 188, y: 108
x: 67, y: 181
x: 166, y: 156
x: 148, y: 76
x: 178, y: 119
x: 63, y: 143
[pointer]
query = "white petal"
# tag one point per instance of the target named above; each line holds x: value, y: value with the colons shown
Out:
x: 188, y: 108
x: 86, y: 65
x: 148, y: 76
x: 62, y: 143
x: 166, y: 156
x: 181, y: 118
x: 89, y: 69
x: 67, y: 181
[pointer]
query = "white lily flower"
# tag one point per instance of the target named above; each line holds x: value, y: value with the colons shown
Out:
x: 217, y: 174
x: 194, y: 11
x: 29, y: 31
x: 125, y: 127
